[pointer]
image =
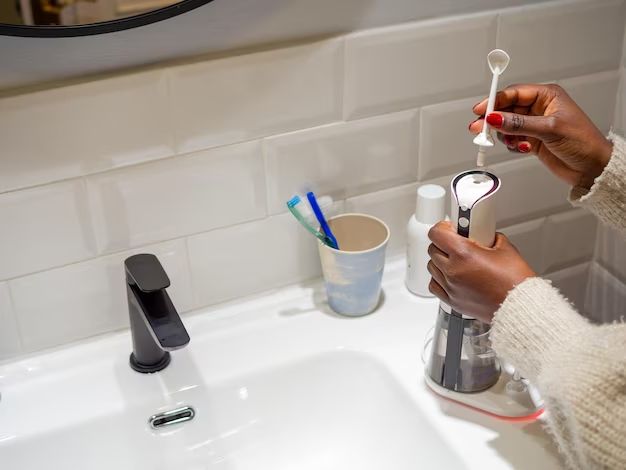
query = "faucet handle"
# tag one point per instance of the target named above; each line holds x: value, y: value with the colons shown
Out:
x: 145, y: 271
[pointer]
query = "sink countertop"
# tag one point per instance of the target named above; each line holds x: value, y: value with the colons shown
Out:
x: 92, y: 380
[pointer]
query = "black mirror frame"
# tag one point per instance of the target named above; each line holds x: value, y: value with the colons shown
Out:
x: 142, y: 19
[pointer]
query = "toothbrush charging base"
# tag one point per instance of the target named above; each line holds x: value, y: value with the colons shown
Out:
x: 498, y: 400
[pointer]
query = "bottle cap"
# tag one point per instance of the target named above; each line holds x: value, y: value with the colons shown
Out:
x: 430, y: 206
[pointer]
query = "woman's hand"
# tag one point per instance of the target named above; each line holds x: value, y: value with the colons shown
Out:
x: 543, y: 119
x: 471, y: 278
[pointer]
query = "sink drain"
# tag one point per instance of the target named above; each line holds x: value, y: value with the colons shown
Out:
x: 167, y: 418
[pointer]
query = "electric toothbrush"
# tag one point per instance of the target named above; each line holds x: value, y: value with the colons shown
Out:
x: 462, y: 365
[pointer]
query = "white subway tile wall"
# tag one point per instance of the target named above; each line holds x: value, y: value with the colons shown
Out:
x: 528, y: 238
x: 610, y: 251
x: 394, y: 206
x: 260, y: 255
x: 596, y: 95
x: 562, y: 39
x: 178, y: 196
x: 195, y: 162
x: 528, y: 190
x: 10, y: 343
x: 569, y: 238
x: 606, y: 296
x: 441, y: 151
x: 573, y: 282
x: 552, y: 243
x: 244, y: 97
x: 416, y: 64
x: 250, y: 258
x: 607, y: 302
x: 75, y: 130
x: 344, y: 159
x: 43, y: 227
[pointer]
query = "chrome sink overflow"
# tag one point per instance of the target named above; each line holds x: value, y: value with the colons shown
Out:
x: 167, y: 418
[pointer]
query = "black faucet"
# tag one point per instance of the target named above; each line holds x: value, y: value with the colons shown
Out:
x: 155, y: 324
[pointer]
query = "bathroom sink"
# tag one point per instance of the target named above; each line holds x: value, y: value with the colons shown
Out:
x: 333, y: 411
x: 276, y: 382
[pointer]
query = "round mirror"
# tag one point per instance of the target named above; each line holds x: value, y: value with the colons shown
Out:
x: 65, y: 18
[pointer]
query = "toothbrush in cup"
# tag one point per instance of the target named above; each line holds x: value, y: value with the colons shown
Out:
x: 321, y: 219
x: 294, y: 204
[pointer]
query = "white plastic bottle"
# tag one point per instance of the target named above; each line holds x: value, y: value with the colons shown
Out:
x: 430, y: 209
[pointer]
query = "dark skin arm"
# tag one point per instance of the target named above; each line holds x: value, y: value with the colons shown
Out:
x: 541, y: 119
x: 471, y: 278
x: 544, y: 120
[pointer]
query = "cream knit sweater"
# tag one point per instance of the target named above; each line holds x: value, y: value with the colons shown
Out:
x: 579, y: 368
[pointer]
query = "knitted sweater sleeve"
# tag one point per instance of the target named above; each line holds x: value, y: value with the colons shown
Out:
x: 579, y: 368
x: 607, y: 197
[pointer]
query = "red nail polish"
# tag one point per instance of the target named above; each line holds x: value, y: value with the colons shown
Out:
x: 495, y: 120
x: 524, y: 147
x: 508, y: 140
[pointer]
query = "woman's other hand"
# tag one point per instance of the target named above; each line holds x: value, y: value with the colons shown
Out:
x: 472, y: 279
x: 544, y: 120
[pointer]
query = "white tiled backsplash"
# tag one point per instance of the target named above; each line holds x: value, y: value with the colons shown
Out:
x: 606, y: 292
x: 415, y: 64
x: 195, y: 162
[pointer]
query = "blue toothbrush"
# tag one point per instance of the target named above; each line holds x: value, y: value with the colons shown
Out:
x: 321, y: 219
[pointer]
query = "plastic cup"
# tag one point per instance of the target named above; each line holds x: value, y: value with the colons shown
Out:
x: 353, y: 274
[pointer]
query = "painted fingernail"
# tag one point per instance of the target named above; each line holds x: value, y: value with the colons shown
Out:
x: 524, y: 147
x: 508, y: 140
x: 495, y: 120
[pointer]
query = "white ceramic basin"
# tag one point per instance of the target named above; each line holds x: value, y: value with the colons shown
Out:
x: 337, y: 410
x: 277, y: 382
